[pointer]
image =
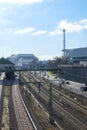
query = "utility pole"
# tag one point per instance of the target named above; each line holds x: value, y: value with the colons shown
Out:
x: 51, y: 120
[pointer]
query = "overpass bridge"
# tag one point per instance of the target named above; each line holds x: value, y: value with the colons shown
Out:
x: 33, y: 69
x: 74, y: 72
x: 9, y: 72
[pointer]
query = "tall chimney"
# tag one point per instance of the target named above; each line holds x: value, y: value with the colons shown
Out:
x: 64, y: 44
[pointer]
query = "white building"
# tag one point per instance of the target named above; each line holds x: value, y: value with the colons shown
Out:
x: 77, y: 54
x: 23, y: 60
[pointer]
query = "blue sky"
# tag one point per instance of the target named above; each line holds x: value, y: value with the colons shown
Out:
x: 35, y: 26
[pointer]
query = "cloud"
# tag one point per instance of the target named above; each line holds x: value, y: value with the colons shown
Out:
x: 40, y: 32
x: 70, y: 27
x: 75, y: 26
x: 84, y: 21
x: 30, y: 30
x: 24, y: 31
x: 55, y: 32
x: 21, y: 1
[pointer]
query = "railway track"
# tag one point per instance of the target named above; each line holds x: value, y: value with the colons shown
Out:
x: 17, y: 115
x: 12, y: 116
x: 67, y: 115
x: 69, y: 106
x: 57, y: 106
x: 56, y: 92
x: 81, y: 125
x: 72, y: 102
x: 24, y: 121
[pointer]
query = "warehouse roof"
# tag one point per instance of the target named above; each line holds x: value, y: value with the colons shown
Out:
x: 77, y: 52
x: 5, y: 61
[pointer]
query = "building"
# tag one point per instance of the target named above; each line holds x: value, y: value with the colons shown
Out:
x: 77, y: 54
x: 43, y: 64
x: 6, y: 64
x: 23, y: 60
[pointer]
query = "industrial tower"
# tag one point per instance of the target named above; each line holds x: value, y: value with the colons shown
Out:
x: 64, y: 44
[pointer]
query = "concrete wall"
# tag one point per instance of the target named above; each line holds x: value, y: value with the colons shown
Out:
x: 78, y: 74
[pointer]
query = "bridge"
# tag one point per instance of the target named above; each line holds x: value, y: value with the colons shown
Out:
x: 74, y: 72
x: 33, y: 69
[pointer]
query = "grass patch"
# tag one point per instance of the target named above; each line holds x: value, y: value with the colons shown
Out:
x: 51, y: 73
x: 5, y: 118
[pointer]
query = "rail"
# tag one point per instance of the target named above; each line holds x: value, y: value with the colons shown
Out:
x: 27, y: 111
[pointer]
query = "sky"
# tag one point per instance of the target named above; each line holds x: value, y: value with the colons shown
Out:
x: 36, y: 27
